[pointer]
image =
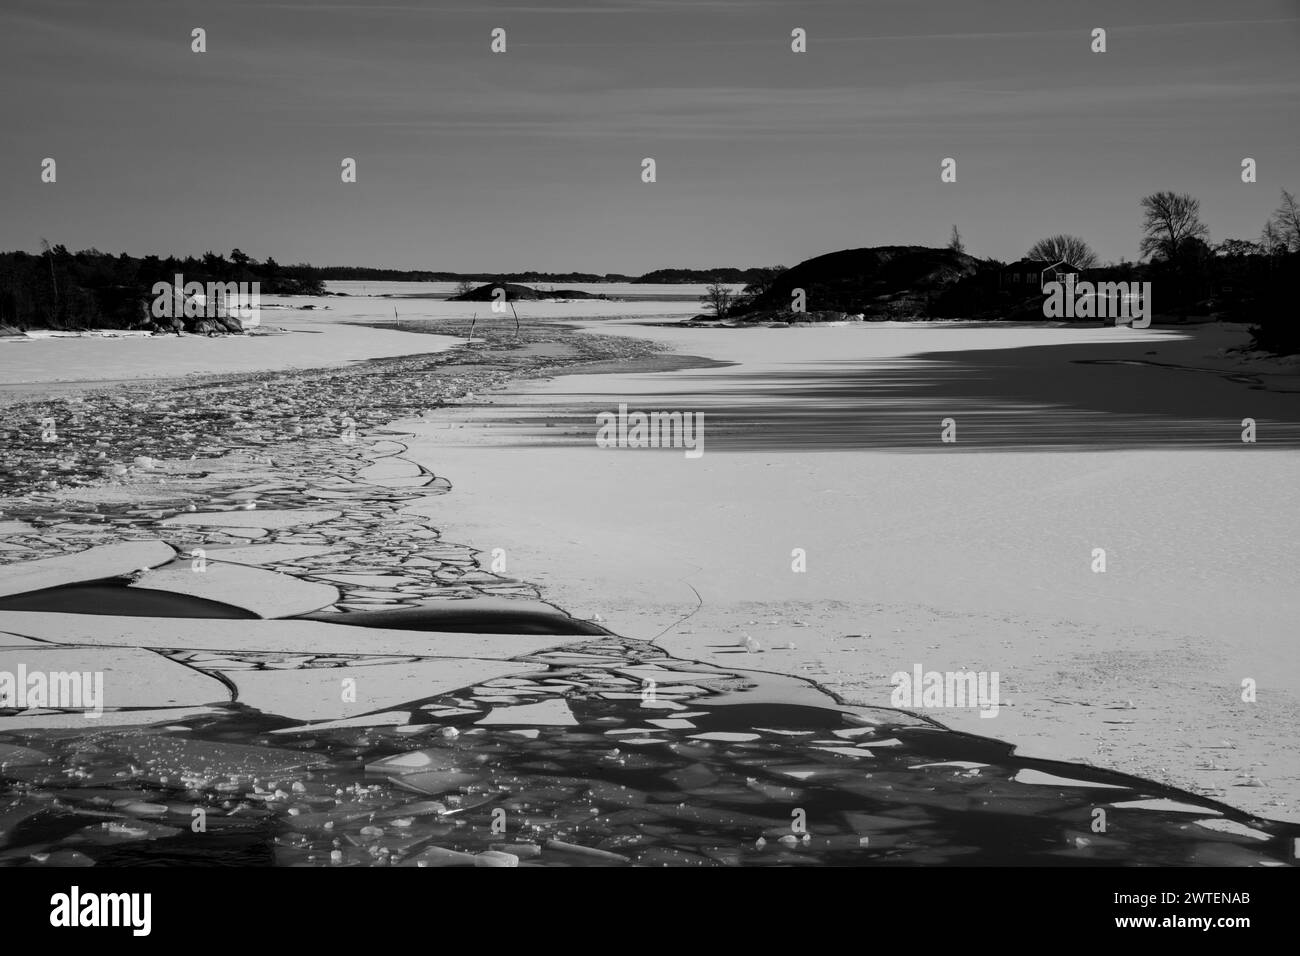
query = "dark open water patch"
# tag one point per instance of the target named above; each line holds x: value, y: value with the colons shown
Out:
x: 586, y: 762
x: 464, y: 617
x: 1241, y: 378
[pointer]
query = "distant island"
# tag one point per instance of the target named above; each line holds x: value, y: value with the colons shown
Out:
x: 1186, y: 277
x: 728, y: 274
x: 1235, y: 281
x: 64, y: 290
x: 696, y: 276
x: 513, y: 292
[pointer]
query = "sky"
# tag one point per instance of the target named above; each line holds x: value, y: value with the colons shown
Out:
x: 531, y: 159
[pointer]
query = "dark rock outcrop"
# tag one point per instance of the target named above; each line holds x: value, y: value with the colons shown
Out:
x: 882, y: 282
x: 519, y: 293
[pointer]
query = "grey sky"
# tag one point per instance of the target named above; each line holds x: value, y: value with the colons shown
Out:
x: 469, y: 160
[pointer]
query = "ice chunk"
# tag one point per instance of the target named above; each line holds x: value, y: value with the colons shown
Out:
x: 124, y: 831
x: 438, y: 856
x: 1237, y: 829
x: 495, y: 858
x: 1031, y: 776
x: 1162, y: 805
x: 586, y: 851
x: 846, y: 751
x: 554, y: 713
x: 417, y: 761
x: 392, y: 718
x: 434, y: 782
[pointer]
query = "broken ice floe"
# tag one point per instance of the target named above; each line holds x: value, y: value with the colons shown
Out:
x: 325, y: 694
x: 118, y: 678
x: 93, y: 564
x: 292, y: 636
x: 265, y: 593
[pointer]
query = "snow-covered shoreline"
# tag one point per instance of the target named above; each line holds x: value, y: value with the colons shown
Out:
x: 981, y: 559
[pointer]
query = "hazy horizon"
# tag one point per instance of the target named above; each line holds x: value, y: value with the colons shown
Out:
x: 470, y: 161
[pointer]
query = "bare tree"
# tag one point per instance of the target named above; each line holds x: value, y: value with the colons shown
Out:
x: 49, y: 254
x: 757, y: 289
x: 1170, y: 223
x: 1070, y: 248
x: 46, y: 250
x: 717, y: 297
x: 955, y: 243
x: 1286, y: 223
x: 464, y: 286
x: 1270, y: 239
x: 762, y: 281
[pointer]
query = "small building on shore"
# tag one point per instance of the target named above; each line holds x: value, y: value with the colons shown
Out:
x: 1028, y: 276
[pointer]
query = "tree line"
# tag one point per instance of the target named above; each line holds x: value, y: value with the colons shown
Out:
x: 58, y: 289
x: 1238, y: 280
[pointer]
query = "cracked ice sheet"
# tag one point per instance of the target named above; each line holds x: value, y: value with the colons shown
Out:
x: 264, y: 554
x: 104, y: 561
x: 369, y: 580
x: 132, y: 677
x: 266, y: 593
x: 14, y: 640
x: 252, y: 519
x: 304, y: 637
x: 383, y: 449
x: 662, y: 675
x: 317, y: 694
x: 392, y: 470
